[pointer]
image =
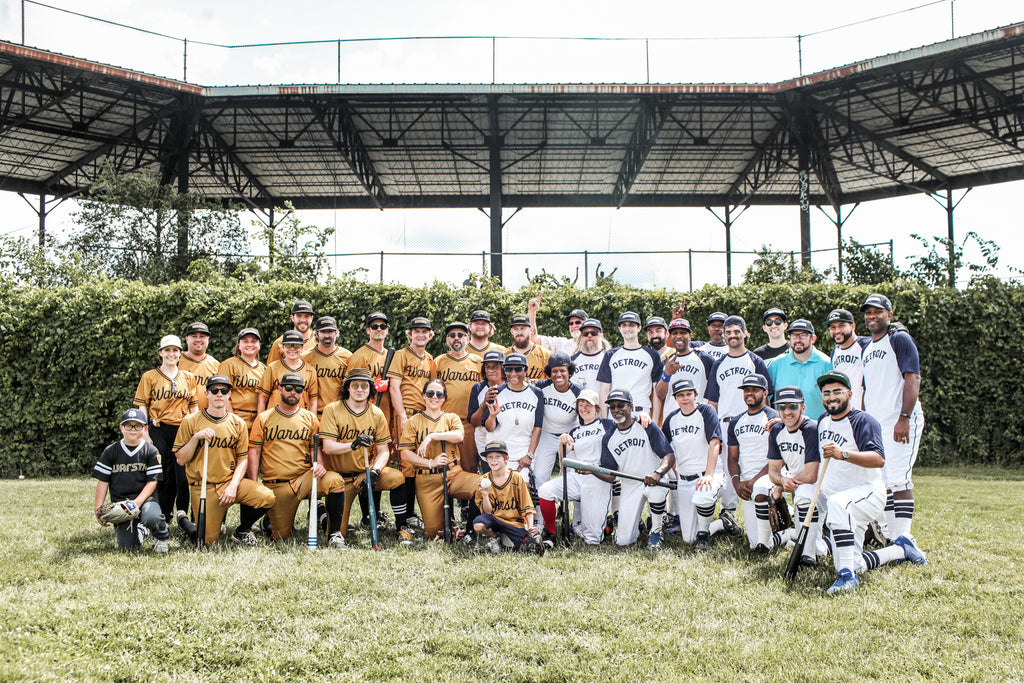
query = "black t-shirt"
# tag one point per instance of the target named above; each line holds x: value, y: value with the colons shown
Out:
x: 768, y: 352
x: 128, y: 471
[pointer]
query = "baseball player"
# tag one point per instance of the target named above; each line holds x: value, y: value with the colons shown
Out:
x: 642, y: 451
x: 560, y: 416
x: 302, y: 321
x: 632, y: 368
x: 716, y: 348
x: 328, y: 361
x: 556, y: 344
x: 522, y: 344
x: 695, y: 436
x: 130, y: 470
x: 196, y: 360
x: 848, y: 353
x: 775, y: 324
x: 428, y: 445
x: 245, y: 371
x: 166, y: 395
x: 748, y: 453
x: 291, y: 362
x: 685, y: 362
x: 853, y: 486
x: 411, y: 369
x: 228, y: 439
x: 504, y: 501
x: 802, y: 365
x: 657, y: 336
x: 793, y: 460
x: 516, y: 414
x: 492, y: 376
x: 892, y: 382
x: 460, y: 371
x: 481, y: 329
x: 589, y: 354
x: 352, y: 431
x: 592, y: 495
x: 279, y: 450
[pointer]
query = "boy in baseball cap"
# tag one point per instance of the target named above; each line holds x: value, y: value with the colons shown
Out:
x: 505, y: 503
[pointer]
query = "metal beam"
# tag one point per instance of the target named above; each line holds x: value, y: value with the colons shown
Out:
x: 494, y: 152
x: 651, y: 116
x: 352, y: 149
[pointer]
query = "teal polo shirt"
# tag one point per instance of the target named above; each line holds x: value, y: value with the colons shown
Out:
x: 787, y: 370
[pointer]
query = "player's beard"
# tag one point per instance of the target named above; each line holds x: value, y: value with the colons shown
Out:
x: 833, y: 408
x: 327, y: 341
x: 456, y: 345
x: 290, y: 398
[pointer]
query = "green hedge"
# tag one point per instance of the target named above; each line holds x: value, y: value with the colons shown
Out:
x: 71, y: 358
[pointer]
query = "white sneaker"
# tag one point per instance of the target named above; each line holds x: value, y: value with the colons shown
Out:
x: 160, y: 547
x: 142, y: 532
x: 336, y: 540
x: 494, y: 545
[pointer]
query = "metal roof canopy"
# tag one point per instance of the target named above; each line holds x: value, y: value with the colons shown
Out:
x: 931, y: 119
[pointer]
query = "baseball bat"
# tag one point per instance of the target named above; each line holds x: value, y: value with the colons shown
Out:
x: 374, y: 535
x: 201, y: 526
x: 311, y: 540
x: 447, y: 500
x: 801, y: 540
x: 565, y: 499
x: 384, y: 374
x: 579, y: 465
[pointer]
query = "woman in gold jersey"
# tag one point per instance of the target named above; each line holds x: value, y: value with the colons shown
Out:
x: 245, y: 371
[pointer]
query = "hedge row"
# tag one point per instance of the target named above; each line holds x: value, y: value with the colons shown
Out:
x: 71, y: 358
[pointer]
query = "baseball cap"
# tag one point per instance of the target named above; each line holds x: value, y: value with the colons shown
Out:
x: 292, y: 337
x: 480, y: 315
x: 801, y: 325
x: 683, y: 385
x: 736, y: 320
x: 878, y: 301
x: 519, y: 319
x: 169, y: 340
x: 494, y: 357
x: 326, y: 323
x: 776, y: 312
x: 302, y: 307
x: 558, y: 360
x: 214, y: 380
x: 789, y: 394
x: 360, y: 374
x: 839, y: 315
x: 292, y: 379
x: 679, y: 324
x: 834, y: 376
x: 496, y: 447
x: 197, y: 328
x: 515, y: 359
x: 655, y: 321
x: 592, y: 322
x: 717, y: 317
x: 576, y: 313
x: 629, y: 317
x: 421, y: 323
x: 250, y: 330
x: 590, y: 396
x: 754, y: 380
x: 456, y: 325
x: 619, y: 395
x: 376, y: 315
x: 133, y: 415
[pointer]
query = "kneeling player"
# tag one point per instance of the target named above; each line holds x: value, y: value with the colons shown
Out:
x: 504, y: 501
x: 130, y: 469
x: 227, y: 462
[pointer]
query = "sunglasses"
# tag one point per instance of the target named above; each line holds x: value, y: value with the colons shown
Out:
x: 133, y: 427
x: 615, y: 405
x: 589, y: 334
x: 774, y: 322
x: 223, y: 391
x: 458, y: 335
x: 788, y: 406
x: 515, y: 368
x: 575, y: 323
x: 430, y: 393
x: 292, y: 347
x: 292, y: 388
x: 378, y: 326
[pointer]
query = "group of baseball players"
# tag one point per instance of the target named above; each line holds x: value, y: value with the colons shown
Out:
x: 486, y: 425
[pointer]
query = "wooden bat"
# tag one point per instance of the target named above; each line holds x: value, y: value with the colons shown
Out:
x: 374, y: 535
x: 801, y: 540
x: 447, y: 500
x: 586, y: 467
x: 566, y: 534
x: 201, y: 526
x: 311, y: 540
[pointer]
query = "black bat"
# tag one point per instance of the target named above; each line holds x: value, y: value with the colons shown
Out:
x: 447, y: 500
x: 384, y: 374
x: 801, y: 540
x: 566, y: 534
x: 586, y: 467
x: 374, y: 535
x: 201, y: 526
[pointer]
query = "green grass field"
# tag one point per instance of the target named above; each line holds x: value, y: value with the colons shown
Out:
x: 74, y: 608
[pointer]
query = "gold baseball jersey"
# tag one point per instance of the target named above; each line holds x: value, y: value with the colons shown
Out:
x: 329, y: 370
x: 227, y: 448
x: 275, y: 348
x: 245, y: 384
x: 271, y: 380
x: 536, y: 359
x: 370, y: 359
x: 459, y: 376
x: 415, y: 371
x: 511, y: 501
x: 420, y: 424
x: 202, y: 369
x: 491, y: 346
x: 342, y: 424
x: 166, y: 400
x: 286, y: 441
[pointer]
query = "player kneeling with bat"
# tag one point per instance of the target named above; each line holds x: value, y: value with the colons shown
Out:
x: 852, y: 484
x: 130, y: 469
x: 218, y: 441
x: 503, y: 497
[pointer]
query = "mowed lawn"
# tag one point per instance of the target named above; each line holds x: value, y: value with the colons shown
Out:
x: 74, y: 608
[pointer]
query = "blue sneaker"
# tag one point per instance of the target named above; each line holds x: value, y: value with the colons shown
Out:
x: 671, y: 525
x: 910, y: 549
x: 654, y: 541
x: 846, y: 581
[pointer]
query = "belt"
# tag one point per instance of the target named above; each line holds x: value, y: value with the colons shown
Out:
x: 276, y: 481
x: 427, y: 470
x: 197, y: 484
x: 690, y: 477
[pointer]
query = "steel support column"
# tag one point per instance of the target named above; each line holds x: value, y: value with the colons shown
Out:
x: 838, y: 221
x: 950, y: 206
x: 494, y: 147
x: 727, y: 219
x: 804, y: 180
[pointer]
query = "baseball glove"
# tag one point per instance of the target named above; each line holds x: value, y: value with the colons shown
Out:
x: 531, y: 544
x: 779, y: 515
x: 118, y: 513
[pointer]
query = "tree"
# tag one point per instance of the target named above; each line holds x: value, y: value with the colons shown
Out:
x: 779, y: 267
x: 864, y: 265
x: 934, y: 268
x: 24, y: 262
x: 142, y: 230
x: 295, y: 251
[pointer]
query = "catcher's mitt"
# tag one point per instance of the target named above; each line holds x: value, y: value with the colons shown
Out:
x: 779, y: 515
x: 531, y: 544
x: 116, y: 513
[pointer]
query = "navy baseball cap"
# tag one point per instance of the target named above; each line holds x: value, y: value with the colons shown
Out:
x: 801, y: 325
x: 592, y: 322
x: 456, y: 325
x: 494, y: 356
x: 253, y: 331
x: 133, y: 415
x: 214, y: 380
x: 629, y: 317
x: 197, y: 328
x: 754, y: 380
x: 376, y: 315
x: 777, y: 312
x: 479, y: 315
x: 302, y: 307
x: 420, y: 322
x: 878, y: 301
x: 736, y: 320
x: 789, y: 394
x: 717, y: 317
x: 559, y: 360
x: 292, y: 337
x: 292, y: 379
x: 519, y: 319
x: 683, y: 385
x: 326, y: 323
x: 619, y: 395
x: 576, y: 313
x: 515, y: 359
x: 834, y: 376
x: 679, y: 324
x: 839, y: 315
x: 655, y: 321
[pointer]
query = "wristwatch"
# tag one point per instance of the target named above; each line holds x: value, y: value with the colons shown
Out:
x: 846, y: 455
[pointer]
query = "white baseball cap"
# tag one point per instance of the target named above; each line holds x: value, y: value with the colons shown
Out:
x: 169, y: 340
x: 590, y: 396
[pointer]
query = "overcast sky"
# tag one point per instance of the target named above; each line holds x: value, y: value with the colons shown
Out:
x: 767, y: 53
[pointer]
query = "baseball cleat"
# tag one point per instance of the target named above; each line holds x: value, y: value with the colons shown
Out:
x: 247, y: 538
x: 846, y: 581
x: 186, y: 526
x: 494, y: 545
x: 702, y: 540
x: 265, y: 527
x: 336, y: 540
x: 910, y: 550
x: 730, y: 524
x: 469, y: 539
x: 654, y: 541
x: 414, y: 522
x: 405, y: 536
x: 671, y: 525
x: 808, y: 561
x: 160, y: 546
x: 610, y: 522
x: 760, y: 549
x: 873, y: 536
x: 321, y: 515
x: 142, y: 533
